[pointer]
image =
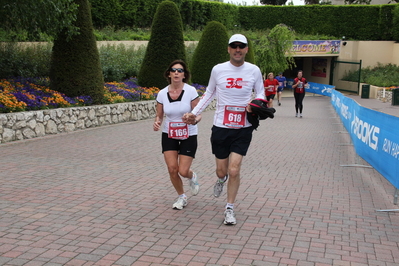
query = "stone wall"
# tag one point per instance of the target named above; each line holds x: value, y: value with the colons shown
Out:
x: 387, y: 98
x: 32, y: 124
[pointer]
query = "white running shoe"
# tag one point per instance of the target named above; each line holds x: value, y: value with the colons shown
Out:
x: 180, y: 203
x: 194, y: 184
x: 218, y: 188
x: 229, y: 217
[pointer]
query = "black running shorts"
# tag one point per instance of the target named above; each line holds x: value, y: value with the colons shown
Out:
x: 184, y: 147
x: 227, y: 140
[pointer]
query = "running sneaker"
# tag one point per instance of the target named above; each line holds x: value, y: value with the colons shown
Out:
x: 218, y: 188
x: 194, y: 184
x: 279, y: 104
x: 229, y: 217
x: 180, y: 203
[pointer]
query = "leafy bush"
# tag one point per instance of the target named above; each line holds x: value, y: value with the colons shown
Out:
x: 24, y: 60
x: 120, y: 62
x: 380, y: 75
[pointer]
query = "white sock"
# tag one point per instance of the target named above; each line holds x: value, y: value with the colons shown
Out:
x: 183, y: 196
x: 230, y: 205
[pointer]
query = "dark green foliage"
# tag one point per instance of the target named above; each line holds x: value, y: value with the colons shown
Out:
x: 379, y: 75
x: 106, y: 12
x: 139, y: 13
x: 120, y: 62
x: 18, y: 60
x: 386, y: 22
x: 35, y: 17
x: 166, y: 44
x: 75, y: 63
x: 250, y: 57
x: 273, y: 2
x: 395, y: 24
x: 359, y: 22
x: 211, y: 50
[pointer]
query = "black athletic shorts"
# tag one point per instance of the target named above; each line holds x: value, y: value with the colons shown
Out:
x: 271, y: 96
x: 184, y: 147
x: 227, y: 140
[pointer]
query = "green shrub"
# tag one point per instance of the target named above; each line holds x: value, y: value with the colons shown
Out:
x: 211, y: 50
x: 18, y: 60
x: 120, y: 62
x: 166, y: 44
x: 75, y: 62
x: 380, y: 75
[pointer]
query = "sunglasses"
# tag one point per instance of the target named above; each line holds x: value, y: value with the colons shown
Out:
x: 235, y: 45
x: 180, y: 70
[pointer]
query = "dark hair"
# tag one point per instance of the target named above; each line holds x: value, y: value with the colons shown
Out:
x: 186, y: 71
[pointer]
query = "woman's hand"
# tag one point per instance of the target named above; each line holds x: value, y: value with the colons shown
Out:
x: 157, y: 125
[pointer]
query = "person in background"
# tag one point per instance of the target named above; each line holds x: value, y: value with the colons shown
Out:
x: 179, y: 140
x: 270, y: 84
x: 299, y: 92
x: 282, y: 83
x: 233, y: 83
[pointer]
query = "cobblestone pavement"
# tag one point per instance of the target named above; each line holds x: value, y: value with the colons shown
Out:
x: 103, y: 197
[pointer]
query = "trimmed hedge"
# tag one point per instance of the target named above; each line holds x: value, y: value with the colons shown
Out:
x: 211, y: 50
x: 75, y: 63
x: 166, y: 44
x: 358, y: 22
x: 395, y: 22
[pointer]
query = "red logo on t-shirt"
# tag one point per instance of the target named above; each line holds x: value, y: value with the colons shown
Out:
x: 234, y: 83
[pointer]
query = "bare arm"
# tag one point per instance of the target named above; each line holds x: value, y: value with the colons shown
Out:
x: 159, y: 117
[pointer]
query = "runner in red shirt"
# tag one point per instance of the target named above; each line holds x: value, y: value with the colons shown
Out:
x: 300, y: 83
x: 271, y: 85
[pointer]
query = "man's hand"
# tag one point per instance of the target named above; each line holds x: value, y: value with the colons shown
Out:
x: 189, y: 118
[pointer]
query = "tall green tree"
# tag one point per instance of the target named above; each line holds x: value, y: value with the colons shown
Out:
x: 166, y: 44
x: 211, y: 50
x: 273, y: 52
x: 75, y: 62
x: 38, y: 16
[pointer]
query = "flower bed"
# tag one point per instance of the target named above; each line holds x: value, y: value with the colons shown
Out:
x: 36, y: 111
x: 26, y: 94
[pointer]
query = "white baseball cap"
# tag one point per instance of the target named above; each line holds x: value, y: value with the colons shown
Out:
x: 238, y: 38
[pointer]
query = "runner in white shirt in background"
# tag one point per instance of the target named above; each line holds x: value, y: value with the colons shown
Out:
x: 234, y: 84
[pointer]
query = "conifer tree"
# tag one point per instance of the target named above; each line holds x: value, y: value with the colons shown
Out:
x: 250, y: 57
x: 75, y: 62
x: 211, y: 50
x: 166, y: 44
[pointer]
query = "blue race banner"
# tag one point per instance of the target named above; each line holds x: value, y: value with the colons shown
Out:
x: 321, y: 89
x: 317, y: 88
x: 375, y: 135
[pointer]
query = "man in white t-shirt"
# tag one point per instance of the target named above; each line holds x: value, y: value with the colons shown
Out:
x: 234, y: 84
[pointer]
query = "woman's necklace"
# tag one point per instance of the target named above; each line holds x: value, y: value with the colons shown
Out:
x: 175, y: 90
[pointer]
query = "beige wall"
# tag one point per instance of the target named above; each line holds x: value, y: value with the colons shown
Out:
x: 370, y: 52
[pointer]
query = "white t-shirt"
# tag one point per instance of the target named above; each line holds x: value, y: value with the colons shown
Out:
x: 175, y: 109
x: 233, y: 87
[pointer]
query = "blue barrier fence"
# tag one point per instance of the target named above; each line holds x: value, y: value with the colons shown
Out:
x: 375, y: 135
